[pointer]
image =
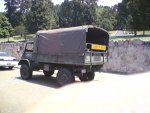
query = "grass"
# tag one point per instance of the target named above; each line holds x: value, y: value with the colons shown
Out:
x: 141, y: 32
x: 17, y: 38
x: 144, y: 38
x: 30, y: 37
x: 138, y: 32
x: 111, y: 32
x: 140, y: 36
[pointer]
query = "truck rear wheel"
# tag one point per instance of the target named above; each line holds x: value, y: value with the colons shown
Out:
x: 65, y: 76
x: 87, y: 76
x: 26, y: 72
x: 48, y: 73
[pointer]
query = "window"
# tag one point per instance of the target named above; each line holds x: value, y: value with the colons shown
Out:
x: 29, y: 47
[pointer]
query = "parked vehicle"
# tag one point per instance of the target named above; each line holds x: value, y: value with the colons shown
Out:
x: 7, y: 61
x: 76, y: 51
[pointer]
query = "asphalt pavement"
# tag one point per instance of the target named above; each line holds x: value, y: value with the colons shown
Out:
x: 106, y: 94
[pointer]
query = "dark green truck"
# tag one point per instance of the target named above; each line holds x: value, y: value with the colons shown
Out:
x: 76, y: 51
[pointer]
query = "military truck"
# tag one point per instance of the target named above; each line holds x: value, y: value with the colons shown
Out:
x: 76, y: 51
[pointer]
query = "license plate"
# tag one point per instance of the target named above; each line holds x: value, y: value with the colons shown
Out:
x: 8, y: 63
x: 97, y: 58
x: 98, y: 47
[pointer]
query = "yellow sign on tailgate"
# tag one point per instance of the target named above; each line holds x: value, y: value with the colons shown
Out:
x: 98, y: 47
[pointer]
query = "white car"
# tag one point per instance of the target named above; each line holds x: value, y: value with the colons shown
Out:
x: 7, y: 60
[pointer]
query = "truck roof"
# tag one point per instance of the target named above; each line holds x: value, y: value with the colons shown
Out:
x: 69, y: 40
x: 86, y: 27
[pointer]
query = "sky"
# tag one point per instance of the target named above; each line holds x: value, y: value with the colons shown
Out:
x: 100, y: 2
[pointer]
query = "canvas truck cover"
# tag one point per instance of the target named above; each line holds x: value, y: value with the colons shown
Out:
x: 68, y: 40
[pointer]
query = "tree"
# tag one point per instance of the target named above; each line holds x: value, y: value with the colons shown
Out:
x: 122, y: 15
x: 143, y: 8
x: 40, y: 16
x: 6, y: 29
x: 69, y: 15
x: 138, y: 17
x: 20, y: 30
x: 56, y: 10
x: 106, y: 17
x: 77, y: 12
x: 134, y: 15
x: 12, y: 13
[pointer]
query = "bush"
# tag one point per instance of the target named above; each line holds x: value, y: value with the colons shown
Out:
x: 20, y: 30
x: 6, y: 29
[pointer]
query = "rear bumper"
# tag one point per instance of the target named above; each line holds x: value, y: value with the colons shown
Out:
x: 96, y: 58
x: 8, y: 63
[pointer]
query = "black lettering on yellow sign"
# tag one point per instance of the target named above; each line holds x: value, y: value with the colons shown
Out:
x: 98, y: 47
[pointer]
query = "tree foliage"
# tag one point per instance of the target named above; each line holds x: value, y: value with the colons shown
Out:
x: 33, y: 15
x: 106, y: 17
x: 56, y: 11
x: 40, y: 16
x: 12, y: 12
x: 20, y: 30
x: 134, y: 15
x: 6, y: 29
x: 122, y: 15
x: 77, y: 12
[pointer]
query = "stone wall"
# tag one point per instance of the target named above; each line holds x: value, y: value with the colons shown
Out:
x: 128, y: 57
x: 124, y: 57
x: 11, y: 48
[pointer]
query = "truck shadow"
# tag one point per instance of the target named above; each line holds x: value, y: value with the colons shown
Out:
x: 43, y: 80
x: 46, y: 81
x: 5, y: 69
x: 125, y: 73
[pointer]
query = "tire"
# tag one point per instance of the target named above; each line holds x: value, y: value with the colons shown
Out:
x: 48, y: 73
x: 10, y: 67
x: 65, y: 76
x: 87, y: 76
x: 26, y: 72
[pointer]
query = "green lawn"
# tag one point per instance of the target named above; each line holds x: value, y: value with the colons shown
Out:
x: 147, y: 38
x: 111, y: 32
x: 139, y: 32
x: 17, y: 38
x: 31, y: 36
x: 143, y: 38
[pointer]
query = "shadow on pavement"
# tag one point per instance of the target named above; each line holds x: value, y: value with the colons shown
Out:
x: 124, y: 73
x: 5, y: 69
x: 43, y: 80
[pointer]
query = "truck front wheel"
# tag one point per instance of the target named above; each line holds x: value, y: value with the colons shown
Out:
x: 87, y: 76
x: 65, y: 76
x: 26, y: 72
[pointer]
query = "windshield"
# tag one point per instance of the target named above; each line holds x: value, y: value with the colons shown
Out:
x: 29, y: 46
x: 3, y: 54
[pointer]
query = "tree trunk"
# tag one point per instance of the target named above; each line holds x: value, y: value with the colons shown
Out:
x: 25, y: 37
x: 143, y: 33
x: 8, y: 40
x: 135, y: 33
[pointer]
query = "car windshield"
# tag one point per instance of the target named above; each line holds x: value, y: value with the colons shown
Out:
x: 3, y: 54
